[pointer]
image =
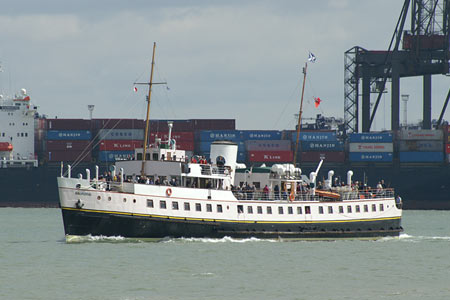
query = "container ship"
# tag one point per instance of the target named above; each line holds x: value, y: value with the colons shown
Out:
x: 32, y: 148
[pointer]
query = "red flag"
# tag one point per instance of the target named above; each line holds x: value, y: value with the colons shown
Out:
x: 135, y: 89
x: 317, y: 101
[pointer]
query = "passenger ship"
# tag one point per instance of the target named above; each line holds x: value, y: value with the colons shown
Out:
x: 163, y: 193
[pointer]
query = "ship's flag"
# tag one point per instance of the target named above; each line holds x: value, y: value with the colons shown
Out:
x: 311, y: 57
x: 317, y: 102
x: 135, y: 88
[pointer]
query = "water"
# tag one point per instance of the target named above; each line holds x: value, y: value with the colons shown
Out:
x: 37, y: 263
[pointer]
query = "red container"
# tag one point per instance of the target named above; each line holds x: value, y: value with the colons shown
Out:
x: 68, y: 156
x: 326, y: 156
x: 447, y: 148
x: 118, y: 124
x: 62, y: 145
x: 185, y: 145
x: 185, y: 136
x: 116, y: 145
x: 162, y: 126
x: 213, y: 124
x: 68, y: 124
x: 270, y: 156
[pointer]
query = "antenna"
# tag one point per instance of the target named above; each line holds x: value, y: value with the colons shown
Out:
x: 405, y: 99
x: 91, y: 109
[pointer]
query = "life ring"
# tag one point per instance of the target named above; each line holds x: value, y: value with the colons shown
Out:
x: 169, y: 192
x: 292, y: 196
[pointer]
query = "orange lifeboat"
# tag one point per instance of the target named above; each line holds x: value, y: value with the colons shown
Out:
x: 5, y: 146
x: 328, y: 194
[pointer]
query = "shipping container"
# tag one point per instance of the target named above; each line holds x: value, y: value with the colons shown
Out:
x: 68, y: 135
x: 119, y: 145
x: 206, y: 146
x: 372, y: 137
x: 185, y: 145
x: 371, y: 147
x: 431, y: 145
x: 121, y: 134
x: 425, y: 134
x: 61, y: 145
x: 325, y: 155
x: 68, y: 124
x: 112, y: 156
x: 222, y: 135
x: 68, y: 156
x: 270, y: 156
x: 315, y: 136
x: 178, y: 125
x: 269, y: 145
x: 370, y: 156
x: 321, y: 146
x: 177, y: 135
x: 241, y: 156
x: 415, y: 156
x: 213, y: 124
x: 118, y: 124
x: 447, y: 148
x: 260, y: 135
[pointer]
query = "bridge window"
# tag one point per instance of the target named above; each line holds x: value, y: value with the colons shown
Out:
x: 187, y: 206
x: 149, y: 203
x: 175, y: 205
x: 162, y: 204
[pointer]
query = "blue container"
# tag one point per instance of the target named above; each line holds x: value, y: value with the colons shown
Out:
x: 241, y: 156
x: 112, y: 156
x: 206, y: 146
x: 416, y: 156
x: 321, y: 146
x: 68, y: 135
x: 378, y: 137
x: 370, y: 156
x: 219, y: 135
x: 315, y: 136
x: 248, y: 135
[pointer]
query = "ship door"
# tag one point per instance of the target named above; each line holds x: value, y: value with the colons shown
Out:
x: 308, y: 212
x: 240, y: 212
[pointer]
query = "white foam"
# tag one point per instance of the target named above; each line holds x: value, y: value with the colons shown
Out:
x: 226, y: 239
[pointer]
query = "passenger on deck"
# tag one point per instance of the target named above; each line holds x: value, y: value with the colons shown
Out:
x: 193, y: 160
x: 266, y: 192
x: 276, y: 191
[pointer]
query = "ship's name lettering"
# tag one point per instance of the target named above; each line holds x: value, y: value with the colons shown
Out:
x: 83, y: 193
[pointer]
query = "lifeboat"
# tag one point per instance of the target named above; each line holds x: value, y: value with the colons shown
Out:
x: 5, y: 146
x: 328, y: 194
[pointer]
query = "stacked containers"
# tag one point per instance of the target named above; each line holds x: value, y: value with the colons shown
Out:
x: 266, y: 146
x: 447, y: 142
x: 119, y: 143
x: 184, y: 139
x: 371, y: 147
x: 317, y: 145
x: 420, y: 145
x: 68, y: 140
x: 204, y: 139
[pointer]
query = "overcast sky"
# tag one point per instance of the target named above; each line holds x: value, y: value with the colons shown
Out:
x: 221, y: 59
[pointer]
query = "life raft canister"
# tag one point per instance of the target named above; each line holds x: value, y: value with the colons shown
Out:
x: 292, y: 196
x: 169, y: 192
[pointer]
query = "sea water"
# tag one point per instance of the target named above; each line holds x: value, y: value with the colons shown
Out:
x: 38, y: 263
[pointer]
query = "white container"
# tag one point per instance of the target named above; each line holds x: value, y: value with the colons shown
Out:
x: 371, y: 147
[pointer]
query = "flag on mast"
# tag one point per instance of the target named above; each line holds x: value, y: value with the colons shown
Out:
x: 135, y: 88
x: 317, y: 102
x: 311, y: 57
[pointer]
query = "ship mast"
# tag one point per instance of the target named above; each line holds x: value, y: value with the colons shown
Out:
x: 300, y: 113
x: 147, y: 119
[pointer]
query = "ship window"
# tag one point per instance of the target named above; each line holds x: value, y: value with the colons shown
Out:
x: 366, y: 208
x: 269, y: 210
x: 357, y: 209
x: 307, y: 210
x: 134, y: 200
x: 349, y: 209
x: 290, y: 210
x: 149, y: 203
x: 175, y: 205
x: 341, y: 209
x: 374, y: 207
x: 98, y: 197
x: 240, y: 209
x: 109, y: 198
x: 21, y: 134
x: 18, y: 134
x: 139, y: 156
x: 219, y: 208
x: 330, y: 209
x: 162, y: 204
x: 299, y: 210
x: 250, y: 209
x: 321, y: 210
x: 124, y: 199
x: 259, y: 209
x: 280, y: 210
x: 147, y: 156
x: 187, y: 206
x: 155, y: 156
x: 198, y: 207
x: 26, y: 134
x: 257, y: 184
x: 381, y: 207
x: 208, y: 207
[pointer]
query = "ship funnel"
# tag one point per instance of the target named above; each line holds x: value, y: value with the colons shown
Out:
x: 224, y: 153
x: 349, y: 177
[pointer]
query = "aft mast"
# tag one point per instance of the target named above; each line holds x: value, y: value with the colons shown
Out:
x: 300, y: 114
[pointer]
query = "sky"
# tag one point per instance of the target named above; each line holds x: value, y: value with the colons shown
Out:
x: 221, y: 59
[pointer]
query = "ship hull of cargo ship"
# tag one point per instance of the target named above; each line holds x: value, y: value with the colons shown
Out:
x: 79, y: 222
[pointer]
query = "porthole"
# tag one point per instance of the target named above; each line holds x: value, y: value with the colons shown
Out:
x: 109, y: 198
x: 99, y: 198
x: 124, y: 199
x: 134, y: 200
